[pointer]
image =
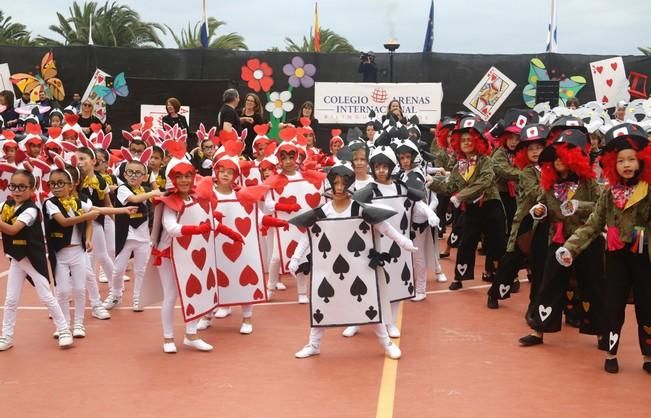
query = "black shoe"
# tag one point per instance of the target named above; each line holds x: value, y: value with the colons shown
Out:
x: 611, y: 366
x: 602, y: 343
x: 492, y: 303
x: 647, y: 366
x: 573, y: 322
x: 456, y: 285
x: 441, y: 233
x: 444, y: 255
x: 530, y: 340
x: 488, y: 277
x: 515, y: 287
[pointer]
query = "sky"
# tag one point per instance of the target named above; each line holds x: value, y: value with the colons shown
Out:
x: 471, y: 26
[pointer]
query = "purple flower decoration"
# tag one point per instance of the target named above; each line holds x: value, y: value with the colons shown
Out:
x: 299, y: 73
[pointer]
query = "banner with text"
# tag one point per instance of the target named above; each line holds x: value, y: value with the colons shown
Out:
x: 350, y: 103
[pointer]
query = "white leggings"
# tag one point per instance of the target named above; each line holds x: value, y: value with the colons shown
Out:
x: 70, y: 273
x: 141, y: 252
x: 99, y: 255
x: 170, y: 294
x: 274, y: 274
x: 18, y: 271
x: 109, y: 233
x: 380, y: 330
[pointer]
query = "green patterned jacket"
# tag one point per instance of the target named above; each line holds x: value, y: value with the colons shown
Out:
x: 504, y: 170
x: 482, y: 182
x: 528, y: 192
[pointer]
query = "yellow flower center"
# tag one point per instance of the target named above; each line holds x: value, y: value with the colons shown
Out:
x: 278, y: 103
x: 299, y: 72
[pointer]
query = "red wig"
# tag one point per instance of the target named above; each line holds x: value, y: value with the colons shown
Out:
x: 480, y: 145
x: 442, y: 136
x: 608, y: 162
x: 521, y: 159
x: 573, y: 158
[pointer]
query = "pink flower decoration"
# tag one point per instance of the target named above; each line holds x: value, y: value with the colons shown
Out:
x: 299, y: 73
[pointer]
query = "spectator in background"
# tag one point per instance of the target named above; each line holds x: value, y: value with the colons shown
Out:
x: 620, y: 111
x: 173, y: 107
x: 572, y: 103
x: 9, y: 115
x: 76, y: 102
x: 43, y: 100
x: 395, y: 109
x: 228, y: 119
x: 367, y: 67
x: 307, y: 111
x: 86, y: 118
x: 250, y: 116
x: 24, y: 101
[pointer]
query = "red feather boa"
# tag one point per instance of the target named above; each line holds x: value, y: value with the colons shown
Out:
x: 574, y: 159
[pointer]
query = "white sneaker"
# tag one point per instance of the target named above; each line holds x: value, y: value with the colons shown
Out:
x: 270, y: 293
x: 392, y: 351
x: 6, y: 343
x: 111, y: 301
x: 102, y: 277
x: 303, y: 299
x: 78, y: 331
x: 350, y: 331
x: 100, y: 313
x: 441, y: 277
x: 126, y: 278
x: 136, y: 305
x: 393, y: 331
x: 307, y: 351
x: 55, y: 335
x: 197, y: 344
x: 65, y: 338
x: 204, y: 323
x: 419, y: 297
x: 281, y: 286
x: 222, y: 312
x: 246, y: 328
x: 169, y: 348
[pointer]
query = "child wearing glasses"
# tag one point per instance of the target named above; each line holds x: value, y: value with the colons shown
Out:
x: 202, y: 157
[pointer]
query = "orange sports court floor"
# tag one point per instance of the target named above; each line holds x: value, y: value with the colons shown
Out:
x: 460, y: 359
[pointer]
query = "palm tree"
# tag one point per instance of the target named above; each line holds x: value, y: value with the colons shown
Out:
x: 13, y: 33
x: 330, y: 42
x: 113, y: 25
x: 645, y: 51
x: 191, y: 37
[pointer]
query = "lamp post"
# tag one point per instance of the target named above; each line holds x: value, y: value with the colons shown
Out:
x: 391, y: 45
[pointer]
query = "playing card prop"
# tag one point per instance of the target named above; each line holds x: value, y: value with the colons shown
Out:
x: 45, y: 80
x: 344, y: 289
x: 193, y: 258
x: 610, y: 82
x: 99, y: 105
x: 5, y: 78
x: 158, y: 112
x: 258, y: 76
x: 568, y: 87
x: 489, y: 94
x: 113, y: 88
x: 240, y: 277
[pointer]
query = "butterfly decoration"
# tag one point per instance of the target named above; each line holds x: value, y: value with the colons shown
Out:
x: 112, y: 90
x: 45, y: 81
x: 569, y: 86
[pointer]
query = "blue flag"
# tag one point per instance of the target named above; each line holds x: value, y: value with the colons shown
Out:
x: 204, y: 25
x: 429, y: 33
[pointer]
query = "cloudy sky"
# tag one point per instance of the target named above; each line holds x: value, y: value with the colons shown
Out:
x: 470, y: 26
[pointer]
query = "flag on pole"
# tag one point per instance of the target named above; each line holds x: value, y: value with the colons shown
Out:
x: 552, y: 33
x: 317, y: 34
x: 90, y: 31
x: 429, y: 33
x: 204, y: 25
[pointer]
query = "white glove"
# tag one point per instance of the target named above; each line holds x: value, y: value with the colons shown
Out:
x: 532, y: 211
x: 568, y: 208
x: 433, y: 220
x: 455, y: 201
x: 564, y: 257
x: 409, y: 246
x: 293, y: 266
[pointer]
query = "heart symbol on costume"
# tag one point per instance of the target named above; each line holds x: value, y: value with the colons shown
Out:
x: 544, y: 312
x: 258, y: 295
x: 184, y: 241
x: 448, y: 216
x: 205, y: 205
x: 248, y: 276
x: 248, y: 206
x: 569, y: 294
x: 318, y: 316
x: 193, y: 286
x: 291, y: 200
x: 462, y: 268
x: 243, y: 225
x: 453, y: 238
x: 189, y: 311
x: 245, y: 172
x: 647, y: 329
x: 44, y: 186
x: 613, y: 65
x: 599, y: 69
x: 604, y: 99
x: 313, y: 199
x: 251, y: 182
x: 206, y: 235
x: 222, y: 280
x: 586, y: 306
x: 612, y: 341
x: 504, y: 289
x: 232, y: 250
x: 210, y: 282
x: 199, y: 258
x: 609, y: 82
x: 371, y: 312
x: 291, y: 248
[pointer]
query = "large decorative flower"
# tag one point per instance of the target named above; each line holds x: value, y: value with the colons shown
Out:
x: 299, y: 73
x: 279, y: 103
x: 258, y: 75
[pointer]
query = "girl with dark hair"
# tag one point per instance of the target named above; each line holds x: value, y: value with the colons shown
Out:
x: 250, y: 116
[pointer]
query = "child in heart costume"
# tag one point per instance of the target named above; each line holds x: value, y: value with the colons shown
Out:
x: 292, y: 191
x: 250, y: 176
x: 346, y: 288
x: 240, y: 275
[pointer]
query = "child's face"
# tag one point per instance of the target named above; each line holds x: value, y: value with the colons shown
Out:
x: 466, y: 143
x: 136, y: 149
x: 560, y: 167
x: 10, y: 154
x: 208, y: 148
x: 511, y: 141
x: 101, y: 165
x: 184, y: 181
x: 259, y: 149
x: 336, y: 146
x: 405, y: 160
x: 339, y: 189
x: 359, y: 162
x: 310, y: 139
x: 70, y: 136
x: 22, y: 190
x: 594, y: 141
x: 533, y: 151
x: 60, y: 185
x: 34, y: 149
x: 155, y: 161
x: 85, y: 163
x: 134, y: 173
x: 370, y: 132
x: 382, y: 173
x: 225, y: 176
x: 55, y: 122
x: 288, y: 161
x: 627, y: 163
x: 266, y: 173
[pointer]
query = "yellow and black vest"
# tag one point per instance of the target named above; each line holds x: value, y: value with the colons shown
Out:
x: 58, y: 237
x: 123, y: 222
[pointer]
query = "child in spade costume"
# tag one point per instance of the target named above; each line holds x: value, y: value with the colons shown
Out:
x: 472, y: 188
x: 346, y: 288
x: 24, y: 244
x: 569, y: 196
x: 407, y: 201
x: 623, y: 208
x: 240, y: 275
x: 292, y: 191
x: 518, y: 248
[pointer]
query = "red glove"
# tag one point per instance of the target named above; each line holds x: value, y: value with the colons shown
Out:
x: 288, y: 207
x: 230, y: 233
x: 218, y: 215
x: 270, y: 221
x: 195, y: 229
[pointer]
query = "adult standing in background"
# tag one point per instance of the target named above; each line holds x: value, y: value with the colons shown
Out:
x: 9, y: 115
x: 173, y: 107
x: 250, y: 116
x: 86, y: 118
x: 228, y: 119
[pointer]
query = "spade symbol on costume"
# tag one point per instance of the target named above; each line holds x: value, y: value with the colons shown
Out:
x: 395, y: 252
x: 324, y: 245
x: 326, y: 291
x: 405, y: 275
x: 386, y: 275
x: 318, y: 316
x: 358, y: 289
x: 371, y: 312
x: 340, y: 267
x: 404, y: 223
x: 410, y: 288
x: 316, y: 229
x: 356, y: 244
x: 407, y: 204
x: 364, y: 227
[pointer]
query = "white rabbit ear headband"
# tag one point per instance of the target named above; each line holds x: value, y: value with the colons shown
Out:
x: 143, y: 159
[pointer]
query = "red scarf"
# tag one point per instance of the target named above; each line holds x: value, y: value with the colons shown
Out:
x: 621, y: 193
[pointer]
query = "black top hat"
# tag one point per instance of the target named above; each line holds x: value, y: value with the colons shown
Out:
x: 568, y: 122
x: 447, y: 122
x: 516, y: 119
x: 572, y: 137
x: 617, y: 135
x: 472, y: 122
x: 532, y: 133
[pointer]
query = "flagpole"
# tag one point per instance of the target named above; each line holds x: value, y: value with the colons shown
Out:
x: 552, y: 34
x: 90, y: 31
x: 317, y: 33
